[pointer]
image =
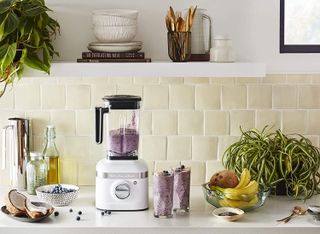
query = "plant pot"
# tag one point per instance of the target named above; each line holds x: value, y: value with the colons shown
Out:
x: 280, y: 189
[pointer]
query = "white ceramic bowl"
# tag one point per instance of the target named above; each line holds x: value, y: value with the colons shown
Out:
x: 57, y: 199
x: 126, y: 13
x: 223, y: 213
x: 115, y: 33
x: 112, y: 20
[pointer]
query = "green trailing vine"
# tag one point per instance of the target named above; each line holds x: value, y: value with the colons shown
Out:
x: 26, y: 34
x: 273, y: 157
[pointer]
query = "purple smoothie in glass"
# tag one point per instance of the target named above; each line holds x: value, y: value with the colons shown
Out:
x: 123, y: 142
x: 163, y: 194
x: 181, y: 189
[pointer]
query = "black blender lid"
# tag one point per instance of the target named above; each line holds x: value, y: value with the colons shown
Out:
x: 123, y: 101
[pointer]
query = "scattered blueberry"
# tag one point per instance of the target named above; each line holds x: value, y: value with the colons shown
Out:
x: 80, y: 212
x: 78, y: 218
x: 56, y: 213
x: 165, y: 173
x: 102, y: 213
x: 109, y: 212
x: 71, y: 210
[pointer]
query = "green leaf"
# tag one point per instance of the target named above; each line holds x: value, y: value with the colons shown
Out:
x: 36, y: 37
x: 46, y: 55
x: 8, y: 25
x: 34, y: 62
x: 12, y: 23
x: 20, y: 71
x: 35, y: 10
x: 3, y: 50
x: 4, y: 6
x: 8, y: 56
x: 2, y: 27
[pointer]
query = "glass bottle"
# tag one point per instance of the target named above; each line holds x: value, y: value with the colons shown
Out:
x: 51, y: 155
x: 37, y: 171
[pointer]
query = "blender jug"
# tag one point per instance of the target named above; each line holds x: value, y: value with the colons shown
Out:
x: 16, y: 147
x: 122, y: 130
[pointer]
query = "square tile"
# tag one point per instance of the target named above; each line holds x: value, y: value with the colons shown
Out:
x: 190, y: 123
x: 259, y: 96
x: 181, y: 97
x: 216, y: 123
x: 243, y: 119
x: 234, y: 97
x: 154, y: 147
x: 156, y: 97
x: 208, y: 97
x: 179, y: 148
x: 204, y: 148
x: 165, y: 122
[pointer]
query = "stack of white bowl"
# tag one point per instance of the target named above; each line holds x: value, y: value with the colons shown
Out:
x: 115, y: 25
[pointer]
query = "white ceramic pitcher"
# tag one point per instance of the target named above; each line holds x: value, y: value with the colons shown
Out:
x: 197, y: 33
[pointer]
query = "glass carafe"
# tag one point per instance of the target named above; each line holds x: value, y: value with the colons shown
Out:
x: 122, y: 128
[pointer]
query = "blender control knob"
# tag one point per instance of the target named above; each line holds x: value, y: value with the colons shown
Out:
x: 122, y: 191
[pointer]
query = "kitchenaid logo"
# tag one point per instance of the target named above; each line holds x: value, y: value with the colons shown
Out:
x: 122, y: 175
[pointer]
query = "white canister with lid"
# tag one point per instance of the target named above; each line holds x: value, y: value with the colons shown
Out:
x: 222, y: 51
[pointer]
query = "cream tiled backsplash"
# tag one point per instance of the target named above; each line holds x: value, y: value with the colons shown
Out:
x: 187, y: 120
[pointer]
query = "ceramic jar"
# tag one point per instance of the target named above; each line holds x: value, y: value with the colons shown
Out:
x: 222, y: 50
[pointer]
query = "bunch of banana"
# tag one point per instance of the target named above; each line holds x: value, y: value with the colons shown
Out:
x: 244, y: 195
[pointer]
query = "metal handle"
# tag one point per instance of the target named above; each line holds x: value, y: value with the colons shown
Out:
x: 100, y: 111
x: 4, y: 145
x: 210, y: 29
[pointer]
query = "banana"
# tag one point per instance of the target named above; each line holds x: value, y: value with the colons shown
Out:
x: 239, y: 204
x: 244, y: 179
x: 243, y: 194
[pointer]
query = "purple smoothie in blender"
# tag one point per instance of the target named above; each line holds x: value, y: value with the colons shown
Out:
x: 181, y: 191
x: 123, y: 142
x: 163, y: 194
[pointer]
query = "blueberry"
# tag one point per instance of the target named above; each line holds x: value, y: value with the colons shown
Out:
x: 56, y: 213
x: 109, y: 212
x: 78, y: 218
x: 182, y: 167
x: 102, y: 213
x: 80, y: 212
x: 71, y: 210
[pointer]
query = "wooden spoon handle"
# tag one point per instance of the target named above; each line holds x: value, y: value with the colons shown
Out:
x: 288, y: 217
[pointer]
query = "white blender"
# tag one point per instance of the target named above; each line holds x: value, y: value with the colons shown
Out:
x: 121, y: 178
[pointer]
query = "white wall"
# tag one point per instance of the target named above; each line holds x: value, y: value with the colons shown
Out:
x: 252, y: 24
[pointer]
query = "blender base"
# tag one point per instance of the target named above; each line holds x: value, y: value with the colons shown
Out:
x: 122, y: 185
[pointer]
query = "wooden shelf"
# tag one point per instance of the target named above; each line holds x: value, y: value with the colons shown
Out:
x: 154, y: 69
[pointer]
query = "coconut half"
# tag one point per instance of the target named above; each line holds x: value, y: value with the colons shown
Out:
x: 15, y: 203
x: 35, y: 211
x: 19, y: 205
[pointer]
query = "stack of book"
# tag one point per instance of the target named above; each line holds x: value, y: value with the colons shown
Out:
x: 113, y: 57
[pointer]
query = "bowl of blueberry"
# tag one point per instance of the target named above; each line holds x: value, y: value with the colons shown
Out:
x: 58, y: 194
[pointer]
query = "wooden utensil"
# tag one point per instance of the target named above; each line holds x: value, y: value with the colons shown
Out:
x: 297, y: 210
x: 168, y: 23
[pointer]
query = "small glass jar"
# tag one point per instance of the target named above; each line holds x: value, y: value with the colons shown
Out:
x: 37, y: 172
x: 222, y: 51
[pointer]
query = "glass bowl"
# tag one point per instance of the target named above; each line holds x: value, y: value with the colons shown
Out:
x: 246, y: 202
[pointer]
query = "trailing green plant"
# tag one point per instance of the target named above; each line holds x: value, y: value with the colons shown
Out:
x: 26, y: 34
x: 274, y: 158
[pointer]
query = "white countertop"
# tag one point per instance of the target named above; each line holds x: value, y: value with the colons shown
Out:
x: 199, y: 220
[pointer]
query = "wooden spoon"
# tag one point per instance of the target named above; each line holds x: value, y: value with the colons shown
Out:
x: 168, y: 23
x: 181, y: 25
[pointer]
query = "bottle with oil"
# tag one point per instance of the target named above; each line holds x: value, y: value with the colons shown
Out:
x: 51, y: 155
